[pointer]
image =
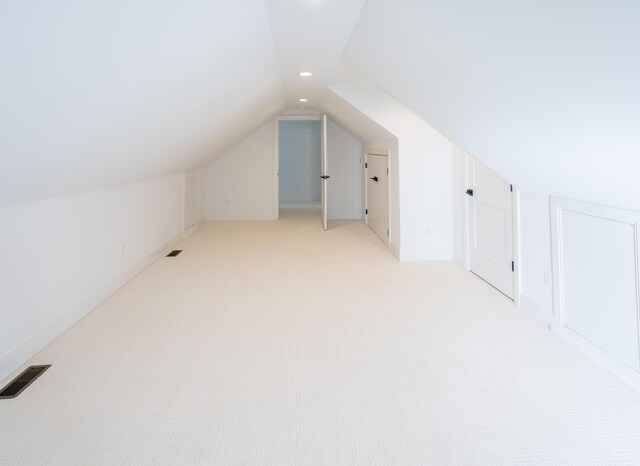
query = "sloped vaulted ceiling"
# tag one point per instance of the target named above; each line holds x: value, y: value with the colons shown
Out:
x: 96, y: 93
x: 543, y: 91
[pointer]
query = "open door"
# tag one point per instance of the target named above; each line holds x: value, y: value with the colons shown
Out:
x: 323, y: 173
x: 490, y: 227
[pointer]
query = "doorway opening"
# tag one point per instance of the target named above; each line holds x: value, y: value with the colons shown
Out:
x: 319, y: 168
x: 300, y: 150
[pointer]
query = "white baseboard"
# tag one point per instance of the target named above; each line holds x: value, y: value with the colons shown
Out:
x: 425, y: 255
x: 535, y: 309
x: 395, y: 250
x: 618, y: 369
x: 11, y: 361
x: 190, y: 230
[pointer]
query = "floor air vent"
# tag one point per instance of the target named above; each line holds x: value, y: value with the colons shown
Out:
x: 174, y: 253
x: 17, y: 385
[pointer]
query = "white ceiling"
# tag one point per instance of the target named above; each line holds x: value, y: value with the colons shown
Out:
x: 310, y: 35
x: 545, y: 92
x: 95, y: 93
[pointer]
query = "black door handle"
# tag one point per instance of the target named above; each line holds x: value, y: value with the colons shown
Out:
x: 374, y: 178
x: 469, y: 192
x: 325, y: 177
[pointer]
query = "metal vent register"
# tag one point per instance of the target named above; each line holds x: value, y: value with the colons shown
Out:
x: 20, y: 383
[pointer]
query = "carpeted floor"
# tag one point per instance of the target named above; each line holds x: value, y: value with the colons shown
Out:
x: 275, y: 343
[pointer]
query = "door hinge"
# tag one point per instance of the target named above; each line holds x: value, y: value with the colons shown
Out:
x: 387, y: 171
x: 366, y: 211
x: 513, y: 266
x: 511, y: 187
x: 387, y: 232
x: 366, y: 165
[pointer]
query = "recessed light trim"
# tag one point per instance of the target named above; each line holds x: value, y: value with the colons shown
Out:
x: 305, y: 74
x: 303, y: 100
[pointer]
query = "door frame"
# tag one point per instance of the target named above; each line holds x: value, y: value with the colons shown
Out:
x: 466, y: 210
x: 380, y: 153
x: 276, y: 155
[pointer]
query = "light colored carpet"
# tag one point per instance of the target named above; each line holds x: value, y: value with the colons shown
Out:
x: 275, y: 343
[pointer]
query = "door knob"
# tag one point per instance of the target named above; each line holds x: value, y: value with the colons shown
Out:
x: 469, y: 192
x: 374, y: 178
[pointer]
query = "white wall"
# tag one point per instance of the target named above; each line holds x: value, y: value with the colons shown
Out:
x: 300, y: 144
x: 596, y: 283
x: 535, y: 255
x: 63, y: 256
x: 459, y: 213
x: 240, y: 184
x: 200, y: 195
x: 113, y: 92
x: 346, y: 171
x: 544, y: 93
x: 421, y: 217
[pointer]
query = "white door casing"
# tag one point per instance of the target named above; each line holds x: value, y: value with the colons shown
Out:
x: 377, y: 195
x: 490, y: 224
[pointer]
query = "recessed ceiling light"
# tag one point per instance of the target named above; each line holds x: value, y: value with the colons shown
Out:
x: 303, y: 100
x: 305, y: 74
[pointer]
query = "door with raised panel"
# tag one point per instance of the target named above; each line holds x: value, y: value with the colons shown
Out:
x: 490, y: 225
x: 377, y: 208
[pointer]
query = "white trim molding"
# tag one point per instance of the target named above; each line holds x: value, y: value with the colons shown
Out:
x: 587, y: 258
x: 13, y: 360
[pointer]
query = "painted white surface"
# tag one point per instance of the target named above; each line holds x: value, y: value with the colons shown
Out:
x: 529, y: 88
x: 200, y: 195
x: 377, y: 195
x: 421, y: 218
x: 534, y: 238
x: 596, y: 270
x: 63, y: 256
x: 190, y: 200
x: 490, y: 226
x: 299, y: 161
x: 310, y: 35
x: 353, y: 120
x: 239, y: 185
x: 324, y: 170
x: 104, y: 93
x: 460, y: 230
x: 345, y: 154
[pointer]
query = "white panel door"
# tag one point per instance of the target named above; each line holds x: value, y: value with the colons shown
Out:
x: 490, y: 227
x: 324, y: 168
x: 377, y: 213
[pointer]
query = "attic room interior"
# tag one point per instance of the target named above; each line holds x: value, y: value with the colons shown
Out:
x: 319, y: 232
